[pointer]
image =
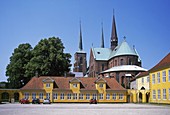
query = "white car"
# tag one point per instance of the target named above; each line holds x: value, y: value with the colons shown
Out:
x: 46, y: 101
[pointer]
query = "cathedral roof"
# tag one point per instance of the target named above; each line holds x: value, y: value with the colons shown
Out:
x: 123, y: 49
x: 101, y: 53
x: 106, y: 53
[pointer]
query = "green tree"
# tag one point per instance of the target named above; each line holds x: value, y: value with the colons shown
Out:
x: 15, y: 70
x: 49, y: 59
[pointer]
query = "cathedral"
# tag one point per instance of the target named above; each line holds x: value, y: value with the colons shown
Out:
x: 119, y: 61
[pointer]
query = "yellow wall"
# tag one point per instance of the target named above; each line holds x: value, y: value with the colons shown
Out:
x: 161, y: 86
x: 141, y: 84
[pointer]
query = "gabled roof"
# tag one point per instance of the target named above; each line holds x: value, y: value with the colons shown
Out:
x: 164, y: 63
x: 74, y: 80
x: 105, y: 54
x: 48, y: 79
x: 101, y: 53
x: 142, y: 74
x: 63, y: 83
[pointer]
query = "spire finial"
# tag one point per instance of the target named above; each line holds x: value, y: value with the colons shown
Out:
x: 102, y: 42
x: 80, y: 42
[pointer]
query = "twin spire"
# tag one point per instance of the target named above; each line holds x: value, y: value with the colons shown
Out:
x: 114, y: 38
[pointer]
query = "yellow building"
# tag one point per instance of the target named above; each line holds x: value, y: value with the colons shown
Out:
x: 71, y: 89
x: 139, y: 92
x: 160, y: 81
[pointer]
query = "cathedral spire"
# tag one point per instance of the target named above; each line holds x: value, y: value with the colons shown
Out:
x: 80, y: 42
x: 102, y: 42
x: 114, y: 38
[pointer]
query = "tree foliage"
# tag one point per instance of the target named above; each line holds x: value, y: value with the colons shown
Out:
x: 15, y: 70
x: 47, y: 59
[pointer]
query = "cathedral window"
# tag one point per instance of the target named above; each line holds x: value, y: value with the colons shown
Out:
x: 121, y: 62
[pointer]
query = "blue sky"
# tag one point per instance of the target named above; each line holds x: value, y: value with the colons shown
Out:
x: 145, y: 23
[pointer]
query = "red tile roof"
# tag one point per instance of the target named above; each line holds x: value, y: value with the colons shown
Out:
x: 164, y: 63
x: 62, y: 83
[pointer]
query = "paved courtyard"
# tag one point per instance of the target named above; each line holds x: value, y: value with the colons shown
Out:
x: 84, y: 109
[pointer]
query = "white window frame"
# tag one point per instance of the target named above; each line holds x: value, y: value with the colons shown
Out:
x: 87, y: 96
x: 41, y: 95
x: 48, y: 85
x: 153, y: 78
x: 94, y: 96
x: 75, y: 96
x: 75, y: 85
x: 142, y: 80
x: 107, y: 96
x: 164, y: 94
x: 81, y: 96
x: 61, y: 96
x: 55, y: 96
x: 121, y: 96
x: 69, y: 96
x: 159, y: 94
x: 101, y: 96
x: 148, y: 79
x: 47, y: 95
x: 101, y: 85
x: 164, y: 76
x: 26, y: 95
x: 33, y: 95
x: 154, y: 94
x: 114, y: 96
x: 158, y: 77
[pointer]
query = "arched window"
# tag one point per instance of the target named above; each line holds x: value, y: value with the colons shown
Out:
x: 115, y: 63
x: 130, y: 62
x: 121, y: 62
x: 102, y: 67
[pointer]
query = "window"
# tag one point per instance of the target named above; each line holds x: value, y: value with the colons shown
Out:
x: 153, y: 94
x: 47, y: 84
x: 121, y: 96
x: 142, y: 80
x: 62, y: 96
x: 147, y: 79
x: 158, y: 77
x: 101, y: 96
x: 164, y: 76
x: 75, y: 96
x: 169, y: 93
x: 164, y: 93
x: 26, y: 95
x: 100, y: 85
x: 69, y: 96
x: 107, y: 96
x: 115, y: 62
x: 114, y: 96
x: 81, y: 96
x: 153, y: 78
x: 159, y: 94
x: 48, y: 95
x: 121, y: 62
x: 41, y: 95
x: 55, y: 95
x: 94, y: 96
x: 74, y: 85
x: 33, y: 95
x: 102, y: 67
x: 169, y: 75
x: 87, y: 96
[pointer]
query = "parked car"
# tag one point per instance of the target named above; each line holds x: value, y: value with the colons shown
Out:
x: 93, y: 101
x: 46, y: 101
x: 24, y: 101
x: 36, y: 101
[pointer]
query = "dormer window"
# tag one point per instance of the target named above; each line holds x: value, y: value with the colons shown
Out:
x: 98, y: 52
x: 75, y: 85
x: 101, y: 85
x: 47, y: 84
